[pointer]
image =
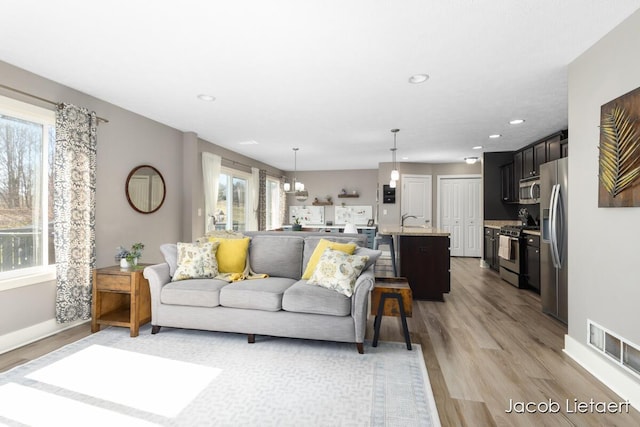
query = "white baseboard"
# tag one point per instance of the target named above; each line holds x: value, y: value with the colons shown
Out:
x: 623, y: 384
x: 25, y: 336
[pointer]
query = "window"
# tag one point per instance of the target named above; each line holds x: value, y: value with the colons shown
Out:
x: 27, y: 140
x: 273, y: 204
x: 231, y: 210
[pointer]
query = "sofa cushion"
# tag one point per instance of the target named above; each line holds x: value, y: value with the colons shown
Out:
x: 338, y: 271
x: 193, y: 292
x: 310, y: 243
x: 257, y: 294
x: 278, y: 256
x: 196, y: 261
x: 323, y: 244
x: 304, y: 298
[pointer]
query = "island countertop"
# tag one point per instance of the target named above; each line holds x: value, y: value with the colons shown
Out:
x: 396, y: 230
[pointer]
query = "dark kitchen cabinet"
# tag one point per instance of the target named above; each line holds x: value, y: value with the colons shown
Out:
x: 532, y: 261
x: 553, y: 149
x: 528, y: 162
x: 539, y: 157
x: 517, y: 168
x: 507, y: 189
x: 564, y: 148
x: 425, y: 262
x: 491, y: 237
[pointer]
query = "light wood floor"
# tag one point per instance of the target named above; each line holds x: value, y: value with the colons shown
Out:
x: 487, y: 343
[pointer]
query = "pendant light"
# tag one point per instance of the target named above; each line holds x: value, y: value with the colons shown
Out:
x: 395, y: 175
x: 296, y: 187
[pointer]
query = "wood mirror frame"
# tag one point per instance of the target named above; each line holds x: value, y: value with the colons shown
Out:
x: 145, y: 189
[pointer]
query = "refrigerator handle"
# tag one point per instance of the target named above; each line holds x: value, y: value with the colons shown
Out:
x: 555, y: 196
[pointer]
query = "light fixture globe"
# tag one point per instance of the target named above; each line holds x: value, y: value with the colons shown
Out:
x: 395, y: 175
x: 295, y: 186
x: 392, y: 184
x: 471, y: 160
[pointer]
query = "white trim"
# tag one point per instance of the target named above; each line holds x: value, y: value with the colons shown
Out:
x: 614, y: 377
x: 44, y: 274
x: 33, y: 333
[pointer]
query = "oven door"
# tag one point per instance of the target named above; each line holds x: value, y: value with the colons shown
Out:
x: 511, y: 263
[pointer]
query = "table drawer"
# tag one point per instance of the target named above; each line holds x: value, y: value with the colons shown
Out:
x: 110, y: 282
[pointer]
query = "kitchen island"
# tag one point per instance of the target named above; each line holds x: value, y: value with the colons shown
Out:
x: 424, y: 259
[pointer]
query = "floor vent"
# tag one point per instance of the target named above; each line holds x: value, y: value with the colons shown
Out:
x: 616, y: 348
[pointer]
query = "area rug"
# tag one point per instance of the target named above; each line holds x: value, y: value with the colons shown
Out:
x: 197, y: 378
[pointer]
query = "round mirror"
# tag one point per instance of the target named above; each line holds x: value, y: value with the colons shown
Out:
x: 145, y: 189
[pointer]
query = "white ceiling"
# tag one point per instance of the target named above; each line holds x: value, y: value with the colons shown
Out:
x: 329, y: 77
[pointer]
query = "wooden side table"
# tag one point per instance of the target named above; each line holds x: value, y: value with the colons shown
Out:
x: 120, y: 298
x: 390, y: 289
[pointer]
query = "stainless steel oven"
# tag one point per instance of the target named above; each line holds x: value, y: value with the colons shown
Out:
x: 510, y: 255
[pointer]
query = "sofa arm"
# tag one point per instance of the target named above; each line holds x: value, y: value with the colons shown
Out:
x: 158, y: 276
x: 360, y: 302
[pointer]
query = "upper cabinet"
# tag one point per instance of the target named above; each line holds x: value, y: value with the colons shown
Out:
x: 527, y: 161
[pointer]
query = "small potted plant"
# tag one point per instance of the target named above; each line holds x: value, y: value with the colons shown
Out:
x: 297, y: 225
x: 129, y: 258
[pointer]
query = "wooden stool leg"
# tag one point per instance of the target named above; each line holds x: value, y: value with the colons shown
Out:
x: 378, y: 320
x: 403, y: 317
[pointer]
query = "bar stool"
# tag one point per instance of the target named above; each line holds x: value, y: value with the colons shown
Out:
x: 387, y: 239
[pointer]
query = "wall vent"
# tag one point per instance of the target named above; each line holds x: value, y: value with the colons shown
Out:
x: 616, y: 348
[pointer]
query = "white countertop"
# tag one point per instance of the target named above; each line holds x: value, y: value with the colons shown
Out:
x: 396, y: 230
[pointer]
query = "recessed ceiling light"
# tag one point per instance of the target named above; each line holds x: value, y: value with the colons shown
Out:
x: 516, y: 121
x: 470, y: 160
x: 208, y: 98
x: 478, y: 147
x: 418, y: 78
x: 405, y: 158
x: 495, y: 135
x: 251, y: 142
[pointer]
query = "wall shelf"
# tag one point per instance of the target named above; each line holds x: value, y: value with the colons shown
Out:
x: 322, y: 203
x: 344, y: 196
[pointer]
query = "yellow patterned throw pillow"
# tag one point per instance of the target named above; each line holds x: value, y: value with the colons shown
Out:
x: 231, y: 254
x: 196, y: 261
x: 323, y: 244
x: 338, y: 271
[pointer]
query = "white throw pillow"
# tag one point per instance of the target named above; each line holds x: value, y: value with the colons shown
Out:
x: 338, y: 271
x: 196, y: 261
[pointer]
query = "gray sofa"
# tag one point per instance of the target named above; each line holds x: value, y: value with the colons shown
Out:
x: 281, y: 305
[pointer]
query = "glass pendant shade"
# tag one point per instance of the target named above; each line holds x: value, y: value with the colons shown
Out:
x: 395, y: 175
x: 392, y: 184
x: 287, y: 187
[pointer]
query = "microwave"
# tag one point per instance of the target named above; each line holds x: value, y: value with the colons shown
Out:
x: 529, y: 191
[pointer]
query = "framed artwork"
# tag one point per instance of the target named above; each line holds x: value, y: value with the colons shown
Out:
x: 619, y: 160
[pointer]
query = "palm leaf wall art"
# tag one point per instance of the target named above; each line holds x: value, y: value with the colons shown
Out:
x: 619, y: 151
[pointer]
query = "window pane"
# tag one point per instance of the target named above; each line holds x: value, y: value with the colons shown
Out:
x: 221, y: 206
x: 22, y: 220
x: 239, y: 206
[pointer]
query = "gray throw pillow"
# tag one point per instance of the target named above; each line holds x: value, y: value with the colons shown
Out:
x: 371, y: 253
x: 170, y: 253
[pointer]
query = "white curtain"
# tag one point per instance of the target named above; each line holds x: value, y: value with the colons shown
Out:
x: 211, y: 164
x: 254, y: 198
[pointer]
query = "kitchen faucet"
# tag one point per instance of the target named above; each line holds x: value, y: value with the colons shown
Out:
x: 405, y: 216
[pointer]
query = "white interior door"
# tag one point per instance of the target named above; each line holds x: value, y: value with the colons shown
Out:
x: 460, y: 214
x: 416, y: 199
x: 451, y: 209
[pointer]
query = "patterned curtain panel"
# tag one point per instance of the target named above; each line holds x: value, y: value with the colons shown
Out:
x: 262, y: 200
x: 74, y: 211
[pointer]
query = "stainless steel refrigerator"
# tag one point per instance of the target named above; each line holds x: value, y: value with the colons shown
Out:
x: 553, y: 250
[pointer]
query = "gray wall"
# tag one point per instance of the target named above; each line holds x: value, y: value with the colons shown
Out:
x: 603, y: 242
x: 434, y: 169
x: 128, y: 140
x: 321, y: 184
